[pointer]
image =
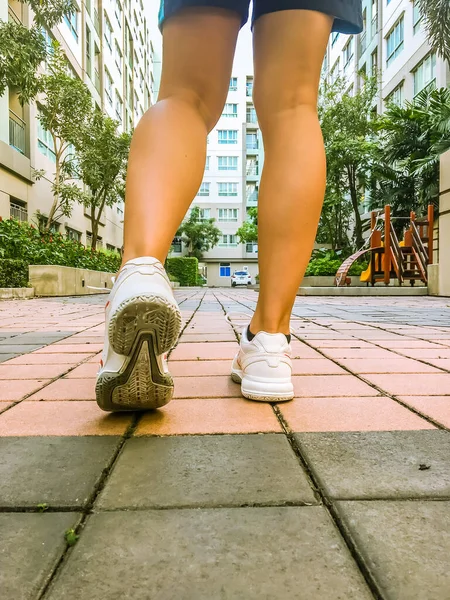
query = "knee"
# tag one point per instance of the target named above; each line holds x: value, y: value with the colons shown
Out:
x: 208, y: 109
x: 272, y: 102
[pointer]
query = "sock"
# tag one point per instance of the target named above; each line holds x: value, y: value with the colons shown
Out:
x: 251, y: 335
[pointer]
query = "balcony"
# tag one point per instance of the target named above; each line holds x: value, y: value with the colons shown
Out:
x: 252, y: 145
x: 362, y: 43
x: 251, y: 248
x: 96, y: 22
x: 252, y: 119
x: 252, y: 199
x: 253, y: 171
x: 97, y: 80
x: 18, y: 212
x: 17, y: 131
x: 374, y: 26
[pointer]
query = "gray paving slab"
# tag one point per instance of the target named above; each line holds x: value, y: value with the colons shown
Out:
x: 213, y: 554
x: 405, y: 546
x: 60, y: 471
x: 30, y: 546
x: 5, y: 357
x: 397, y: 464
x: 11, y: 348
x: 41, y: 337
x: 205, y: 471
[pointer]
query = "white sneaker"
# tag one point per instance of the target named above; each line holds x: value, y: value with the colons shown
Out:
x: 143, y: 322
x: 263, y: 367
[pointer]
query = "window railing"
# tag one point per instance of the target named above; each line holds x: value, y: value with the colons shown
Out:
x: 251, y: 248
x: 252, y: 118
x: 18, y: 212
x: 252, y: 145
x: 252, y: 198
x: 362, y: 43
x: 253, y: 171
x: 96, y: 21
x: 374, y: 26
x: 17, y: 131
x: 97, y: 80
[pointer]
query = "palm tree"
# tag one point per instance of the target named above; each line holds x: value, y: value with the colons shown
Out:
x: 436, y: 15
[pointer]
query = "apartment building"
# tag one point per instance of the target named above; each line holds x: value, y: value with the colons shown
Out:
x: 394, y: 43
x: 109, y: 46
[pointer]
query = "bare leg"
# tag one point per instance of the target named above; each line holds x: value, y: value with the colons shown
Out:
x: 168, y: 150
x: 289, y: 51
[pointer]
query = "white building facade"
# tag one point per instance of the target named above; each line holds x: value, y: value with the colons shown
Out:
x: 108, y: 46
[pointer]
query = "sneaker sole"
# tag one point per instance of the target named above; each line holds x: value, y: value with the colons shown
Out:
x: 274, y: 397
x: 142, y: 329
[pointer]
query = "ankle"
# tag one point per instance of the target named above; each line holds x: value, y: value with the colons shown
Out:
x: 269, y: 326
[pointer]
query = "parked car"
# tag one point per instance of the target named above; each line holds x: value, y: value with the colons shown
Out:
x: 241, y: 278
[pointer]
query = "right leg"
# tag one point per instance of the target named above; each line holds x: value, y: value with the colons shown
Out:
x: 289, y: 50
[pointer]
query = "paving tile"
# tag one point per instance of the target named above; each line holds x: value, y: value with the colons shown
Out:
x: 339, y: 343
x: 48, y: 359
x: 201, y: 351
x: 201, y: 471
x: 378, y: 353
x: 35, y: 541
x: 206, y: 387
x: 316, y: 366
x: 251, y: 553
x: 330, y: 385
x: 409, y: 344
x: 61, y: 418
x: 380, y: 465
x: 66, y: 389
x: 60, y: 471
x: 207, y: 338
x: 11, y: 348
x: 207, y: 416
x: 424, y: 354
x: 436, y: 407
x: 199, y: 368
x: 85, y: 371
x: 5, y: 357
x: 433, y: 384
x: 405, y: 546
x: 381, y: 365
x: 38, y: 372
x: 350, y: 414
x: 302, y: 351
x: 441, y: 363
x: 70, y: 348
x: 17, y: 389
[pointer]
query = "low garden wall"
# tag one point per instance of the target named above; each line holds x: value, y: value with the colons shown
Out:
x: 54, y: 280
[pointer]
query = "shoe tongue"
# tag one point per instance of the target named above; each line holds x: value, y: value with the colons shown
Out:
x: 271, y: 342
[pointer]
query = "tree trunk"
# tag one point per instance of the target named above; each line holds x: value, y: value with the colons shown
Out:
x: 94, y: 227
x: 54, y: 208
x: 355, y: 204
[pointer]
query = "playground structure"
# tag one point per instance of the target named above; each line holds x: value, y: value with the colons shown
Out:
x: 405, y: 260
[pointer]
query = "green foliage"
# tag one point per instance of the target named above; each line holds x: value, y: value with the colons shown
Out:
x: 325, y: 264
x: 71, y: 537
x: 42, y: 507
x: 358, y: 267
x: 248, y: 232
x: 436, y: 15
x: 24, y: 241
x: 13, y: 273
x: 183, y: 269
x: 199, y: 235
x: 48, y: 13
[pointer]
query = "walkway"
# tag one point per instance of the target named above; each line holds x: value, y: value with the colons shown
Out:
x: 342, y: 494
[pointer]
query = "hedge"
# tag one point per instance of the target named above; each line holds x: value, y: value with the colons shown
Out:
x: 13, y: 273
x: 183, y: 269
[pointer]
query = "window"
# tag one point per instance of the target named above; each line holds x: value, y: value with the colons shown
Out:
x: 204, y: 189
x: 348, y: 53
x: 228, y: 136
x: 109, y: 87
x: 233, y: 84
x: 54, y: 227
x: 18, y: 210
x: 252, y: 193
x: 73, y: 234
x: 334, y: 38
x: 252, y: 141
x: 228, y: 163
x: 177, y: 245
x: 45, y: 143
x: 205, y: 214
x: 425, y: 74
x: 251, y: 115
x: 228, y: 215
x: 119, y: 57
x: 88, y: 51
x: 395, y: 42
x: 397, y: 96
x: 225, y: 270
x: 228, y: 189
x: 228, y: 240
x: 252, y: 167
x: 71, y: 20
x: 335, y: 71
x: 249, y: 89
x: 374, y: 62
x: 230, y: 110
x: 118, y: 12
x: 374, y: 17
x: 417, y: 18
x: 207, y: 163
x: 108, y: 32
x: 119, y: 107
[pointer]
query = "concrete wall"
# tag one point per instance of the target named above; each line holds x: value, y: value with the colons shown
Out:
x: 444, y: 227
x: 53, y: 280
x: 215, y: 280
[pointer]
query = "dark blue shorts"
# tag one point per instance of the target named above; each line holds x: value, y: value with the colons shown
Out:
x: 347, y: 13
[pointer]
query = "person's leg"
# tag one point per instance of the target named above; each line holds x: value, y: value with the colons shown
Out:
x: 289, y: 50
x: 168, y: 151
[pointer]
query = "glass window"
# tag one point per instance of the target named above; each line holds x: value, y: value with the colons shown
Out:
x: 249, y: 90
x: 45, y: 143
x: 425, y: 74
x: 108, y: 32
x: 228, y: 163
x: 228, y: 136
x: 334, y: 38
x: 207, y: 163
x: 225, y: 269
x: 252, y: 141
x: 71, y: 20
x: 230, y: 110
x: 204, y: 189
x: 228, y: 189
x: 395, y: 42
x: 177, y: 245
x: 251, y: 115
x: 119, y: 107
x: 233, y: 84
x: 228, y: 214
x: 417, y: 18
x: 109, y: 87
x: 348, y: 52
x: 397, y: 96
x: 119, y: 56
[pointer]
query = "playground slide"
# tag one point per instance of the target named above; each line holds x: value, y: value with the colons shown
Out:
x: 367, y: 274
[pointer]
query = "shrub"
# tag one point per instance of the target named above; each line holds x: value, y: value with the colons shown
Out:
x: 13, y: 273
x: 24, y: 241
x: 183, y: 269
x: 358, y: 267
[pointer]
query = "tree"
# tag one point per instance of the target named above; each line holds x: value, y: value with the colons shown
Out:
x: 248, y: 231
x: 22, y: 50
x: 200, y: 235
x: 64, y: 106
x: 349, y: 130
x: 436, y: 16
x: 101, y: 162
